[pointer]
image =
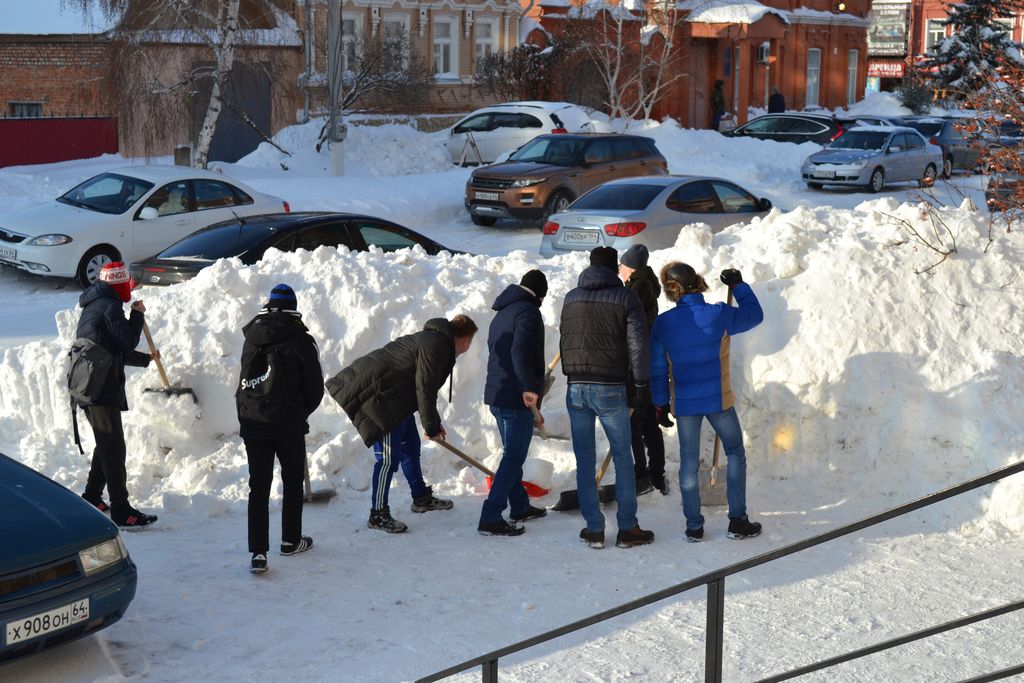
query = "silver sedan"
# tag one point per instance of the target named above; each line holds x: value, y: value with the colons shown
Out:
x: 873, y: 156
x: 648, y: 210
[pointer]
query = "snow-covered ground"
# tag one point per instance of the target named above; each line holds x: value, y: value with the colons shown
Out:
x: 868, y: 385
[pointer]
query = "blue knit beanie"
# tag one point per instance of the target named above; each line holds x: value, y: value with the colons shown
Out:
x: 282, y: 297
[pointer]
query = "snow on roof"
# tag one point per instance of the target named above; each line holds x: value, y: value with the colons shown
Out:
x: 805, y: 15
x: 280, y: 36
x: 51, y: 17
x: 727, y: 11
x: 526, y: 27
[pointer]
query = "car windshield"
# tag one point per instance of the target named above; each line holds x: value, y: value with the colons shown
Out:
x: 106, y: 193
x: 860, y: 139
x: 929, y: 129
x: 626, y: 197
x: 222, y: 241
x: 555, y: 151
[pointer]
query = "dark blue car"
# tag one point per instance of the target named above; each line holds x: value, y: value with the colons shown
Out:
x: 64, y: 570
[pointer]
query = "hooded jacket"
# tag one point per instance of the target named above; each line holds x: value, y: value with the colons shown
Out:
x: 645, y: 283
x: 382, y: 388
x: 305, y: 381
x: 515, y: 346
x: 603, y: 331
x: 103, y: 322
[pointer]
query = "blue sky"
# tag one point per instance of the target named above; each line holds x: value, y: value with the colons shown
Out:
x: 47, y: 16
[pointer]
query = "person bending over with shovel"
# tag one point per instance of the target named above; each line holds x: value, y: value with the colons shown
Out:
x: 603, y: 335
x: 694, y: 337
x: 381, y: 391
x: 103, y: 323
x: 280, y: 385
x: 515, y: 379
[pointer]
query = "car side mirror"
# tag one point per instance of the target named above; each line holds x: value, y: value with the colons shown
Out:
x: 149, y: 213
x: 764, y: 204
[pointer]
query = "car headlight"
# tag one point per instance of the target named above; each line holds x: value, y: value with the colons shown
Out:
x: 48, y: 240
x: 99, y: 557
x: 526, y: 182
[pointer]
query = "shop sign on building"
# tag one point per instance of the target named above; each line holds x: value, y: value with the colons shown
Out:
x: 888, y: 32
x: 886, y: 69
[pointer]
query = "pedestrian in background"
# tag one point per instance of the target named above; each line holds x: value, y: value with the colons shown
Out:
x: 718, y: 105
x: 776, y: 103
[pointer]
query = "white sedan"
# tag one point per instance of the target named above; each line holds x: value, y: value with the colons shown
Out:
x: 126, y: 214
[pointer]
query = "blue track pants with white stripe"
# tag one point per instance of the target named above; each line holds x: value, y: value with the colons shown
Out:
x: 400, y: 445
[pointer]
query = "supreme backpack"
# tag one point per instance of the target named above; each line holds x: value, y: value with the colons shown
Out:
x: 263, y: 394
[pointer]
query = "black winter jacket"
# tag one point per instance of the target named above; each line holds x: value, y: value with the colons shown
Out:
x: 385, y: 386
x: 645, y: 283
x: 304, y: 379
x: 776, y: 104
x: 604, y: 333
x: 103, y: 322
x: 515, y: 349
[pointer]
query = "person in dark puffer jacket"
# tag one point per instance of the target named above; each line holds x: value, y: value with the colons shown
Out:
x: 515, y: 379
x: 694, y: 336
x: 643, y: 423
x: 603, y: 336
x: 381, y: 391
x: 103, y: 322
x: 279, y: 326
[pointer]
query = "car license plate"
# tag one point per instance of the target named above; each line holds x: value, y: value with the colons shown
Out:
x: 47, y: 622
x: 487, y: 196
x: 8, y: 253
x: 824, y: 174
x: 579, y: 237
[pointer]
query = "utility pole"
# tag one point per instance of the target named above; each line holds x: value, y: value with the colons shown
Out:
x: 335, y: 74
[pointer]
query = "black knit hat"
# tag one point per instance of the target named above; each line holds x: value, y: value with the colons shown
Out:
x: 605, y: 256
x: 536, y: 282
x: 282, y: 297
x: 635, y: 257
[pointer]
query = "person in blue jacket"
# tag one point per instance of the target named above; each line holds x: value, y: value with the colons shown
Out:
x: 515, y: 379
x: 694, y: 337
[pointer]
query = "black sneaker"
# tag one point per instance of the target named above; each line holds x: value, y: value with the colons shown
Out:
x: 660, y: 484
x: 304, y: 544
x: 632, y: 537
x: 258, y: 564
x: 695, y: 535
x: 532, y: 512
x: 132, y: 519
x: 743, y: 528
x: 427, y: 503
x: 593, y: 539
x: 643, y: 485
x: 98, y: 503
x: 382, y: 519
x: 500, y: 528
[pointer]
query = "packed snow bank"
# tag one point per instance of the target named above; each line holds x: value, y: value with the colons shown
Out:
x: 865, y: 379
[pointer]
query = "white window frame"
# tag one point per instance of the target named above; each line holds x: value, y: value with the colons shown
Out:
x: 451, y: 42
x: 1009, y: 22
x: 852, y: 58
x: 351, y: 42
x: 813, y: 78
x: 403, y: 18
x: 932, y: 30
x: 491, y: 44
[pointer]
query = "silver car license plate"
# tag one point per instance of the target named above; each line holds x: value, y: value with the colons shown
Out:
x: 824, y: 174
x: 487, y: 196
x: 47, y: 622
x: 8, y: 253
x: 579, y: 237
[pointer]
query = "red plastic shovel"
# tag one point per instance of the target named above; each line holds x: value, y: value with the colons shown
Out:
x: 532, y: 490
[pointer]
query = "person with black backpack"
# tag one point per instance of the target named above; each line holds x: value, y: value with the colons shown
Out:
x: 280, y: 385
x: 104, y: 343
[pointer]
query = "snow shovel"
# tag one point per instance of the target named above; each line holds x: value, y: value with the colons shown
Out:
x: 166, y: 389
x: 570, y: 500
x: 549, y: 376
x: 541, y: 430
x: 532, y: 490
x: 318, y: 496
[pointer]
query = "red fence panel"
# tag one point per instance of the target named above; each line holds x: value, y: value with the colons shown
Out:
x: 46, y: 140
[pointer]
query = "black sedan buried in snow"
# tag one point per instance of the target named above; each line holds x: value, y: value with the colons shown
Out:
x: 250, y: 238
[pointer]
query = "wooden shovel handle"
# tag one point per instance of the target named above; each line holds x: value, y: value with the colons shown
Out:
x: 604, y: 467
x: 554, y: 362
x: 152, y: 351
x: 540, y: 423
x: 471, y: 461
x: 717, y: 452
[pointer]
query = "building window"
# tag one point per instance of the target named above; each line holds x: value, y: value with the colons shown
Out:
x: 486, y: 38
x: 936, y: 34
x: 852, y: 56
x: 350, y: 42
x: 396, y: 40
x: 1008, y: 23
x: 26, y: 110
x: 813, y: 76
x: 446, y: 47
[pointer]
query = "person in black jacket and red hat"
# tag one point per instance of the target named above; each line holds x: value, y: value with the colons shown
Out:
x: 103, y: 322
x: 276, y: 342
x: 381, y: 391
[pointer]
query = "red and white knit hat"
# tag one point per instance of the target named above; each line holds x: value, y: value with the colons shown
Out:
x: 115, y: 273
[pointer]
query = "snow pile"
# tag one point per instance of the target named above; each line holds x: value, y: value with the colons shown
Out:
x: 876, y: 104
x: 862, y: 372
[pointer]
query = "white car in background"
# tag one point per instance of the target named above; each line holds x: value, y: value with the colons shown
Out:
x: 487, y: 133
x: 126, y: 214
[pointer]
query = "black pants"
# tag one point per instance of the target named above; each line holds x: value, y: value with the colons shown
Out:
x: 108, y: 468
x: 643, y: 424
x: 291, y: 452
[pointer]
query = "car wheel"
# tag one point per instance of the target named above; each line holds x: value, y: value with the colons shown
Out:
x: 815, y: 186
x: 877, y: 182
x: 947, y: 167
x: 558, y: 201
x: 929, y: 176
x: 486, y: 221
x: 92, y: 263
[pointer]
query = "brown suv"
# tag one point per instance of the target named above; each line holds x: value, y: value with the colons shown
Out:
x: 546, y: 174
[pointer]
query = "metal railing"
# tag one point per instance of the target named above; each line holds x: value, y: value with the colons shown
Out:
x: 715, y: 581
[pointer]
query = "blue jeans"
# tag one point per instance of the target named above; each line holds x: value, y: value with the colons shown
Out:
x: 400, y: 445
x: 606, y: 403
x: 516, y: 428
x: 727, y: 425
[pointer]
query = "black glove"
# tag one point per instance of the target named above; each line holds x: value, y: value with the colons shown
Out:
x: 642, y: 396
x: 731, y: 277
x: 662, y: 413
